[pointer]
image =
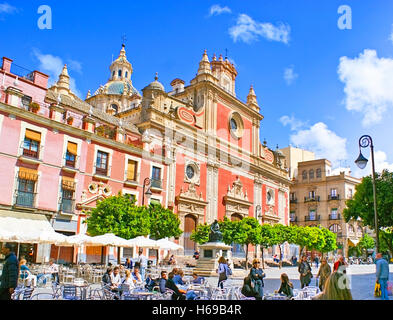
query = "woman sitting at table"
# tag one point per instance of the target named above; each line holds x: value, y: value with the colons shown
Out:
x: 286, y: 287
x: 25, y: 274
x: 127, y: 280
x: 172, y: 260
x: 197, y: 279
x: 248, y: 291
x: 177, y: 293
x: 107, y: 279
x: 178, y: 278
x: 136, y: 275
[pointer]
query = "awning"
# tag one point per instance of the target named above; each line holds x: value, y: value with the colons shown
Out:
x: 352, y: 242
x: 23, y: 227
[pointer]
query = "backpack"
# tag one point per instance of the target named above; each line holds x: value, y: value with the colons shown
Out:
x: 228, y: 271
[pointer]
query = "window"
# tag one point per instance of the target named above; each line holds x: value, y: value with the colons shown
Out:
x: 293, y: 196
x: 26, y: 100
x: 115, y: 108
x: 190, y: 171
x: 351, y: 229
x: 132, y: 170
x: 26, y: 187
x: 304, y: 175
x: 311, y: 174
x: 312, y: 215
x: 126, y: 74
x: 72, y: 151
x: 156, y: 177
x: 31, y: 144
x: 293, y: 216
x: 319, y: 173
x: 334, y: 214
x: 67, y: 203
x: 233, y: 124
x: 102, y: 163
x: 333, y: 192
x: 335, y: 228
x: 350, y: 193
x: 113, y: 74
x: 312, y: 194
x: 119, y: 73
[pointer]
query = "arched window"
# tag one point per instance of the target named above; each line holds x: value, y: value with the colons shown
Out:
x: 319, y: 173
x: 115, y: 108
x: 311, y: 174
x: 304, y: 175
x: 351, y: 229
x: 113, y: 73
x: 119, y: 73
x: 126, y: 74
x: 335, y: 228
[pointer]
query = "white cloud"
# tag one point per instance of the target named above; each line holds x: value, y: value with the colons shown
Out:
x: 290, y: 76
x: 216, y: 10
x: 323, y: 142
x: 54, y: 65
x: 368, y: 85
x: 7, y: 8
x: 294, y: 123
x: 249, y: 30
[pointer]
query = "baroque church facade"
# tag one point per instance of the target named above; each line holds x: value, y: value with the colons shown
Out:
x: 195, y: 147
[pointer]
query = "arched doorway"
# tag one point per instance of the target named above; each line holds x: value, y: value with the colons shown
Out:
x: 190, y: 224
x: 237, y: 249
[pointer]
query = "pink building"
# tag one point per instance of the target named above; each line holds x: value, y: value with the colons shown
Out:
x: 199, y: 145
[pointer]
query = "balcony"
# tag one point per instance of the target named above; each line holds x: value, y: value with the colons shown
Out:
x: 333, y: 197
x: 25, y: 199
x: 293, y: 219
x: 310, y: 218
x: 156, y: 185
x: 67, y: 206
x: 312, y: 199
x: 334, y: 217
x: 293, y: 201
x: 30, y: 156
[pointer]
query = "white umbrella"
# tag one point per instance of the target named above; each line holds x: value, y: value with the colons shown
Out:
x: 143, y: 242
x: 108, y: 239
x: 168, y: 245
x: 77, y: 240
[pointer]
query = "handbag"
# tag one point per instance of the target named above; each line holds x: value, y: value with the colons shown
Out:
x: 377, y: 290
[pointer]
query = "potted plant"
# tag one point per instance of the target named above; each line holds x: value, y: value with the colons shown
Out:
x: 70, y: 120
x: 34, y: 107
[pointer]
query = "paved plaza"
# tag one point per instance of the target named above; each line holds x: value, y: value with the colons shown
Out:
x: 362, y: 279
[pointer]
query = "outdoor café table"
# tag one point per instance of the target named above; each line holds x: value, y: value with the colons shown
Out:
x: 275, y: 297
x: 144, y: 295
x: 82, y: 286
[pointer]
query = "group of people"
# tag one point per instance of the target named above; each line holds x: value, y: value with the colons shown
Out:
x: 174, y: 279
x: 14, y: 269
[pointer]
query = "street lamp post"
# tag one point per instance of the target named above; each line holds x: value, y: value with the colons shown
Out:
x: 148, y: 193
x: 364, y: 142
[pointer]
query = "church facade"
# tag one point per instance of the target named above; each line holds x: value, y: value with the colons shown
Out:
x: 195, y: 147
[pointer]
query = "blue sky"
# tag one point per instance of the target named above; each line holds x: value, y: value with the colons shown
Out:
x: 291, y: 51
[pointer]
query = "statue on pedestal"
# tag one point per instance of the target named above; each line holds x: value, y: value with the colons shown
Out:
x: 215, y: 234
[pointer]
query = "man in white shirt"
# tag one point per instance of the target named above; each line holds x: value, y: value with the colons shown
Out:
x: 142, y: 260
x: 54, y: 270
x: 115, y: 277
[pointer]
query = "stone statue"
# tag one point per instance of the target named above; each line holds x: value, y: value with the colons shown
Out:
x: 215, y: 234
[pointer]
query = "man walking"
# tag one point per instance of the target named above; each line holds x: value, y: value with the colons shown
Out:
x: 382, y: 275
x: 9, y: 277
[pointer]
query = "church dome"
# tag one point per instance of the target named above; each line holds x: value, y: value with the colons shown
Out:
x: 156, y: 85
x: 119, y: 87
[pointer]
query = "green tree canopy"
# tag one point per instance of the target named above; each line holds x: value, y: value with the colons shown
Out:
x: 164, y: 223
x: 118, y: 215
x: 362, y: 205
x: 201, y: 234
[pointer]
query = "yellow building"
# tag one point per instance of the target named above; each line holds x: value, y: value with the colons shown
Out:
x: 318, y: 197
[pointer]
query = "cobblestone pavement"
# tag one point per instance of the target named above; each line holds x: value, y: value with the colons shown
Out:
x: 362, y: 279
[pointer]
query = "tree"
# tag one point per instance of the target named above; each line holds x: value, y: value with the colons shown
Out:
x: 386, y: 240
x: 118, y: 215
x: 164, y: 223
x: 201, y: 234
x: 330, y: 241
x: 282, y: 234
x: 362, y: 204
x: 365, y: 243
x: 265, y: 240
